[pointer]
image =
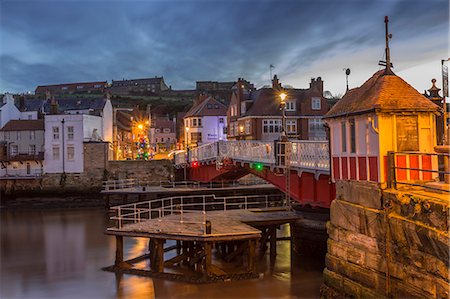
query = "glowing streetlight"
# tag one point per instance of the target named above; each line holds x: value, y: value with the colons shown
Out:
x: 140, y: 126
x: 283, y: 114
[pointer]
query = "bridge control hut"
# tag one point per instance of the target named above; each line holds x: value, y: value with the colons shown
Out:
x: 384, y: 114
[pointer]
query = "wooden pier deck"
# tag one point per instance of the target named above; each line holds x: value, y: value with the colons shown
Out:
x: 235, y: 235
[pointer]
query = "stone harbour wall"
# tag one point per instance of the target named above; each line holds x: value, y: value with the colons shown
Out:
x: 386, y: 243
x: 91, y: 179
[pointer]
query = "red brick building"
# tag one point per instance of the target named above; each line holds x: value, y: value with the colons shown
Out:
x: 256, y: 114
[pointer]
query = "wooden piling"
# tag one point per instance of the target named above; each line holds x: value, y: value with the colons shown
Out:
x: 119, y: 250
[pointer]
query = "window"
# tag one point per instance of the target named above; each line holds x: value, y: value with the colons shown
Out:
x: 158, y: 130
x: 247, y: 127
x: 352, y: 136
x: 196, y: 137
x: 70, y: 133
x: 80, y: 87
x: 166, y: 130
x: 64, y: 88
x: 216, y: 106
x: 32, y: 135
x: 221, y: 120
x: 70, y: 153
x: 290, y: 106
x: 7, y: 135
x: 344, y: 137
x: 19, y: 135
x: 162, y: 139
x: 316, y: 131
x: 243, y: 108
x: 194, y: 124
x: 30, y: 116
x: 291, y: 126
x: 199, y: 122
x: 55, y: 133
x: 272, y: 126
x: 315, y: 103
x: 407, y: 133
x: 209, y: 106
x: 186, y: 123
x: 97, y: 85
x: 156, y: 139
x: 14, y: 150
x: 32, y: 150
x: 55, y: 151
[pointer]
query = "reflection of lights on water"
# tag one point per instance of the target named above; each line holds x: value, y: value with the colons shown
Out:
x: 130, y: 286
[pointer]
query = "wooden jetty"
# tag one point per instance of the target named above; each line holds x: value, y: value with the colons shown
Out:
x: 210, y: 245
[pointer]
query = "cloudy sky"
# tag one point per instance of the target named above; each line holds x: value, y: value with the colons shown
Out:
x: 47, y: 42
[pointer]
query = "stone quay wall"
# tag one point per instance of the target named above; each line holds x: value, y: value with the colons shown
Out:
x: 386, y: 243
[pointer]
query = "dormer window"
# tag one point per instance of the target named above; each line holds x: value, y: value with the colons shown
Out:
x: 209, y: 106
x: 315, y: 103
x: 290, y: 106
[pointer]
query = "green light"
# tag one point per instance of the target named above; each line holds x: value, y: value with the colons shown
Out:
x: 258, y: 166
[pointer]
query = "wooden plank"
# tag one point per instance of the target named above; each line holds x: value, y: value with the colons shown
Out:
x: 251, y: 266
x: 138, y: 259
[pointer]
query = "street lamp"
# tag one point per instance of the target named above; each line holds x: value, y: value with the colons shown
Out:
x: 283, y: 115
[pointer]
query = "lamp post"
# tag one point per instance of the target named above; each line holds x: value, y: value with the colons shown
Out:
x: 186, y: 150
x: 283, y: 116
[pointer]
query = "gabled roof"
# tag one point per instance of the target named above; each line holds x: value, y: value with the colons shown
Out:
x: 24, y: 125
x: 266, y: 101
x: 163, y: 123
x: 206, y: 106
x: 382, y: 93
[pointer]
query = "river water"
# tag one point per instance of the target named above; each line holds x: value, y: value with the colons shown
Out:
x: 60, y: 254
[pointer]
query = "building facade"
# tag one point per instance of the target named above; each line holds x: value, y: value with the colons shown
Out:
x: 256, y: 114
x: 139, y: 86
x: 205, y: 122
x: 72, y: 88
x: 162, y: 134
x: 22, y: 152
x: 64, y: 138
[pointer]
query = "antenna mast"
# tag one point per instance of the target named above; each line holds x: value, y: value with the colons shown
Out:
x: 387, y: 63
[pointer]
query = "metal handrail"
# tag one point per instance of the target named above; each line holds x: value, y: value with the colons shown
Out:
x: 137, y: 212
x: 393, y: 181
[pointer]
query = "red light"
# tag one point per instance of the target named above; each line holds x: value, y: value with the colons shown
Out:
x: 195, y: 164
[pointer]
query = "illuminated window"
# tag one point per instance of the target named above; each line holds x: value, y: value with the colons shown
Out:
x: 291, y: 126
x: 247, y: 127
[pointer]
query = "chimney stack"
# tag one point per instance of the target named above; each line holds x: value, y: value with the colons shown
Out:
x: 276, y: 85
x: 54, y: 106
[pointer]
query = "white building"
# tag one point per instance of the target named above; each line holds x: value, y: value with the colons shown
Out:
x: 205, y: 122
x: 64, y: 137
x: 9, y: 111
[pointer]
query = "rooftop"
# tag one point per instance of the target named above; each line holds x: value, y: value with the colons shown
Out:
x: 24, y: 125
x: 382, y: 92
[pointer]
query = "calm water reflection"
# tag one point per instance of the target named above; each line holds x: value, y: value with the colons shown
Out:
x: 59, y: 254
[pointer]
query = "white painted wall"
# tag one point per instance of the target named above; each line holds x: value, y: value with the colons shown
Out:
x: 212, y: 130
x: 83, y: 125
x: 107, y: 122
x: 8, y: 111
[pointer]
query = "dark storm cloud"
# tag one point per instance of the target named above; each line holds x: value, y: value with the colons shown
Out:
x: 46, y: 42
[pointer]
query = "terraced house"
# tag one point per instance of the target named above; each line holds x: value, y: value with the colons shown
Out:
x: 257, y: 115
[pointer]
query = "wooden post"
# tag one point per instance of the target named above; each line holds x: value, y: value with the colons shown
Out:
x: 119, y: 250
x: 159, y: 248
x: 273, y: 242
x: 178, y: 247
x: 207, y: 259
x: 251, y: 256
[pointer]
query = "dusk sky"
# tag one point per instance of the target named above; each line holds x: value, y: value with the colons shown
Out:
x: 49, y: 42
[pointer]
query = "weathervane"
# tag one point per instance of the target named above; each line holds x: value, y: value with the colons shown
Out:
x: 347, y: 73
x: 387, y: 63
